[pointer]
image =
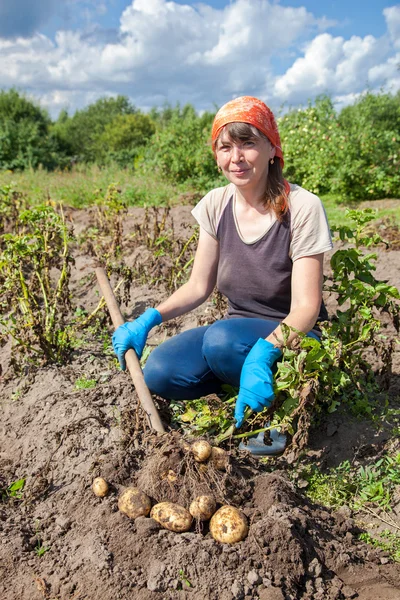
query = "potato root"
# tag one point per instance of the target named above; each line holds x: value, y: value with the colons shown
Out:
x: 100, y: 487
x: 134, y: 503
x: 203, y: 507
x: 219, y: 458
x: 229, y: 525
x: 201, y: 451
x: 172, y: 516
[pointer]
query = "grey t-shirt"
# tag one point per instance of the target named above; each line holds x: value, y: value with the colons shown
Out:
x: 255, y: 275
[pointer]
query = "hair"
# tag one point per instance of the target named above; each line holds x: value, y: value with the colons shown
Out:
x: 275, y: 195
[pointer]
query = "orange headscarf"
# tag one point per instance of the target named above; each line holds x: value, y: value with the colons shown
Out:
x: 248, y: 110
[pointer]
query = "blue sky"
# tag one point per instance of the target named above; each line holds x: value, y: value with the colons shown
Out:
x: 68, y: 53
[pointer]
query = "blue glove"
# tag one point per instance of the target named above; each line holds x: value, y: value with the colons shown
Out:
x: 133, y: 334
x: 256, y: 379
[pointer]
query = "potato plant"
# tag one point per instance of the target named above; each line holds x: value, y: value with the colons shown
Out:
x: 104, y: 240
x: 35, y: 264
x: 11, y: 204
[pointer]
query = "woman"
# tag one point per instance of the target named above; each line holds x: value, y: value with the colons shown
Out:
x: 262, y: 242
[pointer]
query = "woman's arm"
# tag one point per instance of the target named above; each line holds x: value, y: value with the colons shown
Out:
x: 306, y: 297
x: 201, y: 283
x: 256, y: 379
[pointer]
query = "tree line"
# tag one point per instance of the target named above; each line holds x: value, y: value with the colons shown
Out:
x: 353, y: 153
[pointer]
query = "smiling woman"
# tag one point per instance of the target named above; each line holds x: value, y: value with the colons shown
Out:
x: 261, y: 243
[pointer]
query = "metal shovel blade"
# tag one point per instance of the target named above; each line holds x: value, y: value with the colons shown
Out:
x: 256, y: 445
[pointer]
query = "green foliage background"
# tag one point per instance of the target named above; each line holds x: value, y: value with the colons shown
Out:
x: 353, y: 154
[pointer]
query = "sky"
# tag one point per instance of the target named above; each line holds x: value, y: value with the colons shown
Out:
x: 68, y: 53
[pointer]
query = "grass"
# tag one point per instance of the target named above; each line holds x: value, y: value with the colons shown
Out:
x: 85, y: 185
x: 85, y: 384
x: 336, y: 210
x: 386, y: 541
x: 370, y: 489
x: 14, y: 490
x: 373, y: 484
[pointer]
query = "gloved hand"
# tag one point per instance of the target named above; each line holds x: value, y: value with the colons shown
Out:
x: 256, y: 379
x: 133, y: 334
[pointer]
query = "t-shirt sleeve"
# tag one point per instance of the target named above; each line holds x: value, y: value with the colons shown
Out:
x: 310, y: 229
x: 209, y: 210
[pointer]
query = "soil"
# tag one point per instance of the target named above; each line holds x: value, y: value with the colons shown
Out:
x: 61, y: 542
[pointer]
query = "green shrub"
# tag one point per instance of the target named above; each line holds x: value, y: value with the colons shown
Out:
x: 180, y: 149
x: 355, y: 155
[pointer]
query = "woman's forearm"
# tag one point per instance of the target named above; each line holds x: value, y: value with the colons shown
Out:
x: 300, y: 318
x: 185, y: 299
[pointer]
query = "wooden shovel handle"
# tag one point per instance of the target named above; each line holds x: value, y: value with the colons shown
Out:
x: 132, y: 361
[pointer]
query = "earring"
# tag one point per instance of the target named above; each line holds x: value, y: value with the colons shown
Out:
x: 219, y: 169
x: 271, y: 162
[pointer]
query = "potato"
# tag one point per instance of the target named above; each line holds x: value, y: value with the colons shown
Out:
x: 229, y: 525
x: 219, y: 458
x: 186, y: 447
x: 172, y: 516
x: 203, y: 508
x: 201, y: 450
x: 134, y: 503
x: 100, y: 487
x: 170, y: 475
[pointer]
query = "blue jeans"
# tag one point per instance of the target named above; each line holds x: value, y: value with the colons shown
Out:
x: 197, y: 362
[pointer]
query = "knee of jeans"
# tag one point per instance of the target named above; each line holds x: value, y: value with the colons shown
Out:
x: 219, y: 343
x: 156, y: 376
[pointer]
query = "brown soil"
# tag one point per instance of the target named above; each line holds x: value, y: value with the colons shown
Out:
x: 60, y: 438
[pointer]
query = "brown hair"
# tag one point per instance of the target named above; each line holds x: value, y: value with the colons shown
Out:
x: 275, y: 194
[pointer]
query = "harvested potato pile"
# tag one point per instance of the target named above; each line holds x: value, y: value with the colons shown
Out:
x: 173, y: 473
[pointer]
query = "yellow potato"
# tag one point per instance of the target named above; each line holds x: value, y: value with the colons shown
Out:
x: 201, y: 450
x: 100, y: 487
x: 172, y: 516
x: 229, y: 525
x: 186, y: 447
x: 203, y: 508
x: 219, y: 458
x: 134, y: 503
x: 170, y: 475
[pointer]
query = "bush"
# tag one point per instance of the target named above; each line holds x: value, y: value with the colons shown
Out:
x: 355, y: 154
x: 25, y: 136
x: 368, y: 164
x: 180, y: 148
x: 123, y: 140
x: 310, y: 138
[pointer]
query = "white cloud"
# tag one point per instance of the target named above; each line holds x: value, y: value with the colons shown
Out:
x: 198, y: 54
x: 392, y: 16
x: 341, y: 68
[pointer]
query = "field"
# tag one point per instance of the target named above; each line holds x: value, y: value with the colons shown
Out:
x: 68, y: 420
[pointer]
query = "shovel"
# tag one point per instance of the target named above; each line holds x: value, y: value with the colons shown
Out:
x: 132, y: 361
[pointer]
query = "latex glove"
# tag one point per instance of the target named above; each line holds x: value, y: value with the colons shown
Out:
x: 133, y: 334
x: 256, y: 379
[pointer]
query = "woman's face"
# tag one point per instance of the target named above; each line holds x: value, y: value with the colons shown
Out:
x: 245, y: 162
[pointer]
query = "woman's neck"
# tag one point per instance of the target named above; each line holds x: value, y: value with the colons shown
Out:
x: 249, y: 198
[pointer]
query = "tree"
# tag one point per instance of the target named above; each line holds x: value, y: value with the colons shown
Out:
x: 124, y: 138
x: 180, y: 148
x: 82, y: 131
x: 25, y: 136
